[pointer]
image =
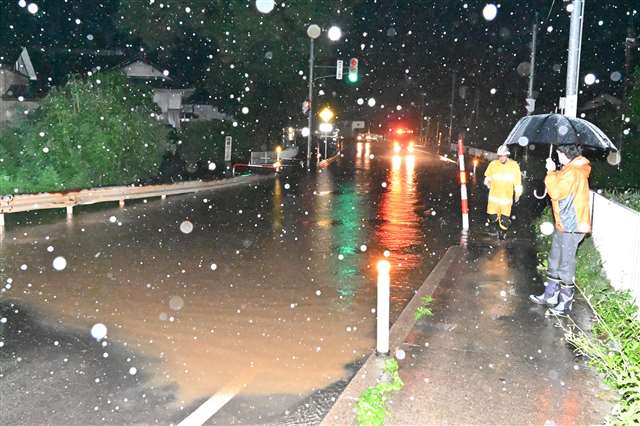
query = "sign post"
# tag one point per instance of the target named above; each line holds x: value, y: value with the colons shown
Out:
x: 228, y: 142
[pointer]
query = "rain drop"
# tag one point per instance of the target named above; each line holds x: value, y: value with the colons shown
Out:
x: 546, y: 228
x: 59, y: 263
x: 490, y: 12
x: 265, y: 6
x: 99, y: 331
x: 176, y: 303
x: 186, y: 227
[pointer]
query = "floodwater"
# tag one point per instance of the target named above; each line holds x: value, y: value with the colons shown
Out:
x: 271, y: 293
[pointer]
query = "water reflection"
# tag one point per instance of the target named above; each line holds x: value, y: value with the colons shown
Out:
x: 399, y: 230
x: 277, y: 212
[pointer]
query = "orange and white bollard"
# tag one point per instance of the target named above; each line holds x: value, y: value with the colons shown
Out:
x: 463, y: 185
x: 382, y: 312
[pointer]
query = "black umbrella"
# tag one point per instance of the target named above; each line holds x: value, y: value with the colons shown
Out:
x: 557, y: 129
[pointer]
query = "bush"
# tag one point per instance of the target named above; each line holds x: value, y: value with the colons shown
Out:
x: 91, y: 132
x: 202, y: 142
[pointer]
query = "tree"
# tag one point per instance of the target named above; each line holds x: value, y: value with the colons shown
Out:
x: 253, y: 60
x: 91, y: 132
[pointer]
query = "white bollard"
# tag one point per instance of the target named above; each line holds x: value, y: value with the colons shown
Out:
x: 69, y: 211
x: 121, y: 204
x: 2, y: 219
x: 382, y: 313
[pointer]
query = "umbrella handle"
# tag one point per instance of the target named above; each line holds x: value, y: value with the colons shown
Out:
x: 535, y: 191
x: 540, y: 197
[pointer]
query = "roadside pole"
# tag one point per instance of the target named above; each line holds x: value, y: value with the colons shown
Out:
x: 382, y: 311
x: 463, y: 185
x: 228, y: 144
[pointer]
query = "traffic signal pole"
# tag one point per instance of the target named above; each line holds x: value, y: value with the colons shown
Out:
x: 310, y: 123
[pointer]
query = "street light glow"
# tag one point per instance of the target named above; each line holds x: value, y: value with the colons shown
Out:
x: 334, y: 33
x: 326, y: 114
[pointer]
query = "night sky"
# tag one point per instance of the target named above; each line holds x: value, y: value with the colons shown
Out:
x: 408, y: 51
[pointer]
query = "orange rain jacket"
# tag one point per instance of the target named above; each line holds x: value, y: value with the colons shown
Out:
x: 569, y: 192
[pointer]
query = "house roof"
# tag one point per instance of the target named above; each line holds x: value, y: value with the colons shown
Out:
x: 24, y: 66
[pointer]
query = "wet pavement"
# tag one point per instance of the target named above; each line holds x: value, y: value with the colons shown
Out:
x: 267, y: 300
x: 488, y: 355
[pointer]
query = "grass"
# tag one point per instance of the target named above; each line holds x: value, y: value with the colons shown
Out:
x: 613, y: 343
x: 629, y: 198
x: 371, y: 407
x: 424, y: 310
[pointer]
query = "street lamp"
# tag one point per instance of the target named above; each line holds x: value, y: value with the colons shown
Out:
x: 326, y: 115
x: 314, y: 31
x: 334, y: 33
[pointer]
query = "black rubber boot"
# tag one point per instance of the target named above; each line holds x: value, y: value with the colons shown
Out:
x: 565, y: 300
x: 551, y: 292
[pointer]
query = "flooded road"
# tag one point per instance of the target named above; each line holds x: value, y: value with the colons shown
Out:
x: 262, y: 292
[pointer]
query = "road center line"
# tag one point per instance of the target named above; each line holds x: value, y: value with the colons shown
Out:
x: 212, y: 405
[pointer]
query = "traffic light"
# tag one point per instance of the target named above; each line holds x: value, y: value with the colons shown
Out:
x: 353, y: 70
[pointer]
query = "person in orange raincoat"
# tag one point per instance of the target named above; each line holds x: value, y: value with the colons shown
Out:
x: 504, y: 180
x: 568, y: 190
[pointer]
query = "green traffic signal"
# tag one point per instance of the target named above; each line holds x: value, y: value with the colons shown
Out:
x: 353, y: 77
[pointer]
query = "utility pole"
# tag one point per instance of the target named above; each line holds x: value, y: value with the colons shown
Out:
x: 629, y: 45
x: 532, y: 68
x: 531, y: 102
x: 453, y: 97
x: 438, y: 136
x: 310, y: 136
x: 573, y: 60
x: 421, y: 139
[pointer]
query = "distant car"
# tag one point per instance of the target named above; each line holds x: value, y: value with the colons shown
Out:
x: 369, y: 137
x: 402, y: 140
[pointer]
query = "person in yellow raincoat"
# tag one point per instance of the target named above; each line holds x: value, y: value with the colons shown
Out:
x: 504, y: 180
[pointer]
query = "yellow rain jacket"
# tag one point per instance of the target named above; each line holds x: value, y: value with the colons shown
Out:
x: 503, y: 180
x: 569, y: 192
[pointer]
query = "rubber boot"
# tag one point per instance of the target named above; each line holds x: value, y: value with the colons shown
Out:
x: 551, y: 292
x: 565, y: 300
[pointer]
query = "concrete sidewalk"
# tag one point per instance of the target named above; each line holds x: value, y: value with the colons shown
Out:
x: 488, y: 355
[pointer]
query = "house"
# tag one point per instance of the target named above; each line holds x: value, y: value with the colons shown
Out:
x: 166, y: 94
x: 16, y: 93
x: 198, y: 107
x: 21, y: 87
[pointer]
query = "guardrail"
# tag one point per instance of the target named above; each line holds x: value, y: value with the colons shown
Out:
x: 264, y: 157
x: 616, y: 235
x: 67, y: 200
x: 489, y: 155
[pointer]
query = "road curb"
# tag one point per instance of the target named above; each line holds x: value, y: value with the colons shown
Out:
x: 342, y: 412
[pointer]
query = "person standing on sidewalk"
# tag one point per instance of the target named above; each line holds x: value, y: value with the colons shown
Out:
x: 568, y: 190
x: 503, y: 178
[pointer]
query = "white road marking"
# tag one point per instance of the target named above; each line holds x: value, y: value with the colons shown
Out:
x: 212, y: 405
